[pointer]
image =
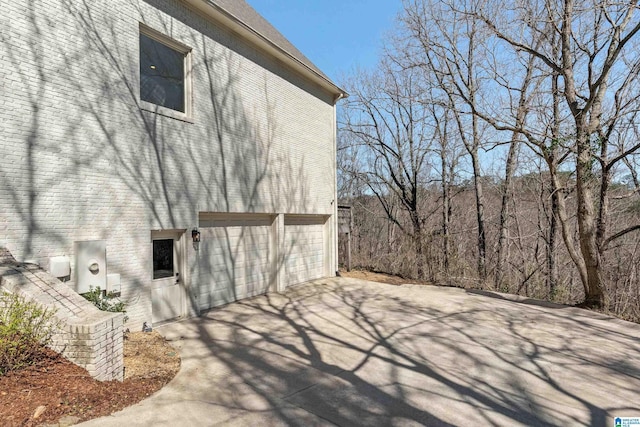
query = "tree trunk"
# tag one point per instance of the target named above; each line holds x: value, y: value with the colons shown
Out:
x: 512, y: 157
x: 551, y: 155
x: 469, y: 77
x: 552, y: 266
x: 587, y: 230
x: 446, y: 211
x: 482, y: 241
x: 419, y: 250
x: 504, y: 210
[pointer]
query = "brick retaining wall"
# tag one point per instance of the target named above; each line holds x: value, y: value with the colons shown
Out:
x: 88, y: 337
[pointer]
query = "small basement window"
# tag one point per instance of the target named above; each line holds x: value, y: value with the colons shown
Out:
x: 164, y: 75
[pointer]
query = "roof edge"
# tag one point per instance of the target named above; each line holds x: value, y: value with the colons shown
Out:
x: 224, y: 17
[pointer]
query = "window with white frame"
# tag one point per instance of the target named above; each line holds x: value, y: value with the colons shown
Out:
x: 165, y: 85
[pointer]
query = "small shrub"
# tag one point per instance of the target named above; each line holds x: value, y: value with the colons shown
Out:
x: 105, y: 302
x: 25, y: 327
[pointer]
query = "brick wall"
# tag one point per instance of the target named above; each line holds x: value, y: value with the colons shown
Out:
x: 81, y: 161
x: 87, y: 336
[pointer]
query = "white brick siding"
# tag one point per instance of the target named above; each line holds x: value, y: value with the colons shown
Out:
x: 81, y: 161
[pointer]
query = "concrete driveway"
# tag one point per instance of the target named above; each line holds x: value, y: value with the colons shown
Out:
x: 348, y: 352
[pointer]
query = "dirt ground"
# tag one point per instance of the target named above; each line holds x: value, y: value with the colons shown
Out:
x: 55, y: 392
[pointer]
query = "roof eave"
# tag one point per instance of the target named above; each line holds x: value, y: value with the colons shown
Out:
x: 220, y: 15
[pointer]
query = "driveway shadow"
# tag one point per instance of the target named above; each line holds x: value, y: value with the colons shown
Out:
x: 349, y: 352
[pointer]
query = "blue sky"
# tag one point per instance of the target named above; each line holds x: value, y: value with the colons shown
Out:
x: 336, y: 35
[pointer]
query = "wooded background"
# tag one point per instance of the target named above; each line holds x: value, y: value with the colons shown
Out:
x: 496, y: 146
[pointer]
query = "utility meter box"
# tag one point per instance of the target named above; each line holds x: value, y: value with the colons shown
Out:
x: 91, y: 265
x: 60, y: 266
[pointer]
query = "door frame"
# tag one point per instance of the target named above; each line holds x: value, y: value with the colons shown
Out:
x: 180, y: 263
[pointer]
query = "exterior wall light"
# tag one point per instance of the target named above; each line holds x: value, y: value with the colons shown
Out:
x: 195, y: 235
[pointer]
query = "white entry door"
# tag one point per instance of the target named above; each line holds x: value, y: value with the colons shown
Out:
x: 167, y: 287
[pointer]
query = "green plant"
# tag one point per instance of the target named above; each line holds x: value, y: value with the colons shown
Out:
x: 105, y: 302
x: 25, y: 327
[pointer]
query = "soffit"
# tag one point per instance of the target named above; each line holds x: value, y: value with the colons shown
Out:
x: 251, y: 21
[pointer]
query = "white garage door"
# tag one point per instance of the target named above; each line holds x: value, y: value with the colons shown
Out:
x: 304, y: 248
x: 233, y: 258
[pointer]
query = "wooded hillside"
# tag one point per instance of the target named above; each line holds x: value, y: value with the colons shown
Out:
x: 496, y: 146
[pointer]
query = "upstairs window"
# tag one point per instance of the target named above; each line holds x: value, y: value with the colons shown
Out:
x: 164, y: 74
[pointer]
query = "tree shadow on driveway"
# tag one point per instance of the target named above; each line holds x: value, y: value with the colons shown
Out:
x: 348, y: 352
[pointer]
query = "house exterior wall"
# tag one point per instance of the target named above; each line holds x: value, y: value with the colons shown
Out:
x: 81, y: 161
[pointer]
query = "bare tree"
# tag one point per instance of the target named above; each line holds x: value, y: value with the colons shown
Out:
x: 593, y: 39
x: 384, y: 116
x: 497, y: 79
x: 447, y: 46
x: 521, y: 111
x: 448, y: 151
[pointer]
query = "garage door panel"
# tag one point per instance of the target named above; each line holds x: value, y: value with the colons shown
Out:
x: 222, y: 272
x: 244, y: 277
x: 234, y: 258
x: 237, y: 254
x: 248, y: 234
x: 223, y: 260
x: 214, y: 297
x: 304, y: 249
x: 233, y: 252
x: 247, y: 238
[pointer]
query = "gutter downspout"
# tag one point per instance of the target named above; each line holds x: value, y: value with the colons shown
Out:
x: 336, y: 99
